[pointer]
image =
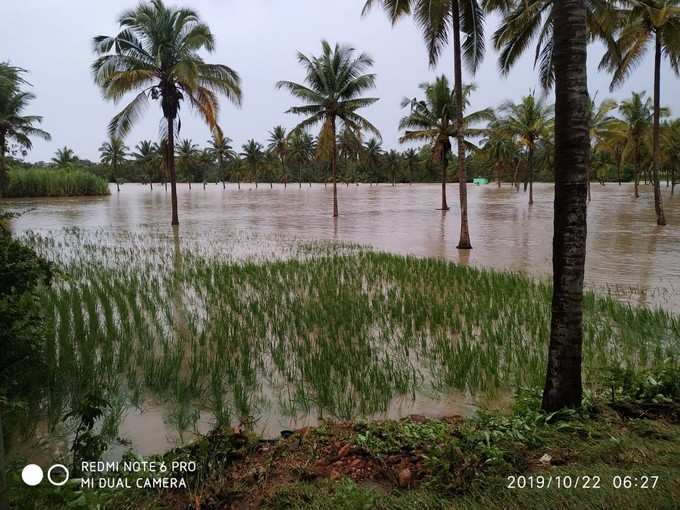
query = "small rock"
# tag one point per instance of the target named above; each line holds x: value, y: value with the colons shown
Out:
x: 405, y: 477
x: 545, y: 460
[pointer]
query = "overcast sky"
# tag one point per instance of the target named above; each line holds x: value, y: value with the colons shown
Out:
x: 259, y: 39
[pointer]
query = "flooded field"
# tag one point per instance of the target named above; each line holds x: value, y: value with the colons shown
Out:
x: 628, y: 255
x: 159, y: 317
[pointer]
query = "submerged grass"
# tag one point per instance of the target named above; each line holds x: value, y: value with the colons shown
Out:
x: 54, y: 182
x: 332, y: 331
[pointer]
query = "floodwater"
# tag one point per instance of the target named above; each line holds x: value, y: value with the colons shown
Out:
x: 629, y: 256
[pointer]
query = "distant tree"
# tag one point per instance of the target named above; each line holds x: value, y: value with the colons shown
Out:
x: 14, y: 125
x: 187, y: 152
x: 530, y: 121
x: 113, y: 153
x: 64, y: 157
x: 302, y: 150
x: 253, y: 154
x: 372, y: 154
x: 336, y: 81
x: 157, y: 52
x: 145, y: 156
x: 220, y: 148
x: 433, y: 120
x: 278, y: 145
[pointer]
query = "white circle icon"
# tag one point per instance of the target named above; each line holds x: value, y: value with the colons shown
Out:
x: 32, y: 475
x: 66, y: 475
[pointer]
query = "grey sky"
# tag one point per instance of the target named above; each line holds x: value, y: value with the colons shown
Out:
x: 259, y: 39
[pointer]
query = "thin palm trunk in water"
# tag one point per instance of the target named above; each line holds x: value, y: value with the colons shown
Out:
x: 658, y: 202
x: 530, y: 165
x: 334, y: 157
x: 464, y: 242
x: 563, y: 386
x: 445, y: 167
x: 170, y: 161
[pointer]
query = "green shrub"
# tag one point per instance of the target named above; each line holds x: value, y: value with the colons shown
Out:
x: 54, y: 182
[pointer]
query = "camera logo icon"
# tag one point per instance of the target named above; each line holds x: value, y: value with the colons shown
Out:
x: 33, y: 474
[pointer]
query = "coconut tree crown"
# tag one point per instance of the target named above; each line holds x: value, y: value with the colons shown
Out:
x: 156, y: 54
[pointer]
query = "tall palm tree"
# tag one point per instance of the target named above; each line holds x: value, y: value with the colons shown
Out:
x: 302, y: 151
x: 335, y: 81
x: 647, y: 23
x: 14, y: 125
x: 563, y: 385
x: 434, y: 119
x: 219, y: 146
x: 253, y: 154
x: 64, y: 157
x: 145, y: 155
x: 530, y: 121
x: 438, y: 19
x: 156, y: 55
x: 113, y: 153
x: 393, y: 162
x: 278, y: 145
x: 187, y: 152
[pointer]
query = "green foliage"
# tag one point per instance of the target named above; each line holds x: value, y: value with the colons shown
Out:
x: 87, y: 444
x: 658, y: 385
x: 52, y: 182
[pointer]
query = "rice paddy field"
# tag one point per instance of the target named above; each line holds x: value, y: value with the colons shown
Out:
x: 185, y: 334
x: 54, y: 182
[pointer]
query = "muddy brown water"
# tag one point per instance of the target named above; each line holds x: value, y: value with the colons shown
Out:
x: 628, y: 255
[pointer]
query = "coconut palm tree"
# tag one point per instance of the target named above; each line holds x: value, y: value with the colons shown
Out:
x: 372, y: 153
x: 350, y: 147
x: 500, y: 150
x: 412, y: 159
x: 434, y: 119
x: 253, y: 155
x: 145, y: 156
x: 64, y: 157
x: 529, y: 121
x: 526, y: 20
x: 219, y: 146
x: 14, y: 125
x: 646, y: 23
x: 563, y: 385
x: 638, y: 115
x: 113, y: 153
x: 302, y: 151
x: 393, y: 162
x: 187, y: 152
x: 335, y: 81
x: 601, y: 125
x: 438, y: 19
x: 156, y: 55
x: 671, y: 145
x: 278, y: 145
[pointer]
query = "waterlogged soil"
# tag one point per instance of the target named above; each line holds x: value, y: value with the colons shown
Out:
x: 629, y: 256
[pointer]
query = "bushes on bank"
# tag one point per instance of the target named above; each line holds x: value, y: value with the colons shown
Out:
x: 54, y: 182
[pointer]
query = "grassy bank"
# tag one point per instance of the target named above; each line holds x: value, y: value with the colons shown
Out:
x: 622, y: 453
x: 53, y: 182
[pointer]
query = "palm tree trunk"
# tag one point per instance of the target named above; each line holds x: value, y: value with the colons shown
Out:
x: 658, y: 202
x: 530, y: 166
x: 464, y: 242
x: 563, y: 387
x: 588, y: 178
x: 170, y: 163
x: 445, y: 166
x: 636, y: 172
x: 334, y: 163
x: 3, y: 173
